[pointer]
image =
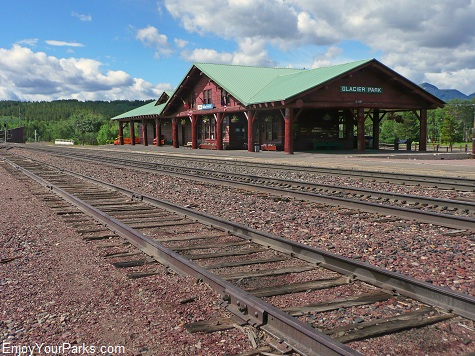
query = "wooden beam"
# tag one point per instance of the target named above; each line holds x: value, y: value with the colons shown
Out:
x: 335, y: 304
x: 246, y: 262
x: 223, y: 254
x: 416, y: 319
x: 298, y: 287
x: 266, y: 273
x: 209, y: 326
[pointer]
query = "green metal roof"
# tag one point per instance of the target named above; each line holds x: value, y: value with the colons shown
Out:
x: 242, y: 82
x: 253, y: 85
x: 148, y: 109
x: 287, y: 86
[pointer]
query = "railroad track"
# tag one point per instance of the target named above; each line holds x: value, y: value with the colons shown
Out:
x: 456, y: 214
x: 214, y: 164
x: 253, y: 272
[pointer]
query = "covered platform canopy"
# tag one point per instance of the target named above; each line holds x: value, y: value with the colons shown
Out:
x: 228, y: 106
x: 150, y: 111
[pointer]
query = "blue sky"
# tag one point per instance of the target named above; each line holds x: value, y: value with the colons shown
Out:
x: 135, y: 49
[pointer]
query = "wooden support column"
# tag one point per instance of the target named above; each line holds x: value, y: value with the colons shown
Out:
x: 183, y: 131
x: 194, y: 132
x: 250, y: 131
x: 121, y: 133
x: 376, y: 121
x: 423, y: 130
x: 175, y: 133
x: 288, y: 120
x: 360, y: 122
x: 144, y: 132
x: 219, y: 130
x: 158, y: 132
x: 132, y: 133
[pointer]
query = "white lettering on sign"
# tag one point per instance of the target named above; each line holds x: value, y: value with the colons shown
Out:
x: 205, y: 107
x: 358, y: 89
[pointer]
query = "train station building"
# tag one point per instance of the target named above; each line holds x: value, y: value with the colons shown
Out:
x: 219, y: 106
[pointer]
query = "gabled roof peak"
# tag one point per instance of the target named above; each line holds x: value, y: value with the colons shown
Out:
x: 252, y: 84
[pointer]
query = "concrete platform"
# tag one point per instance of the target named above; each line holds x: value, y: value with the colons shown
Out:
x: 455, y: 164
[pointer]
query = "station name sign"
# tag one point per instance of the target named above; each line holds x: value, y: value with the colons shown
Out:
x: 205, y: 107
x: 356, y: 89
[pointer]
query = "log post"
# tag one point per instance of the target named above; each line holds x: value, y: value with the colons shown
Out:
x: 121, y: 133
x: 250, y: 131
x: 194, y: 132
x: 219, y: 130
x: 288, y: 121
x: 175, y: 133
x: 132, y: 133
x: 144, y: 132
x: 360, y: 123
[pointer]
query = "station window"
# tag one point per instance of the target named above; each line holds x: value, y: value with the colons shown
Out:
x: 341, y: 126
x: 225, y: 127
x: 209, y: 129
x: 191, y: 101
x: 225, y: 100
x: 271, y: 129
x: 207, y: 96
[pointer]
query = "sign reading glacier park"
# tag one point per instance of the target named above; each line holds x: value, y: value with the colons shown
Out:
x: 356, y: 89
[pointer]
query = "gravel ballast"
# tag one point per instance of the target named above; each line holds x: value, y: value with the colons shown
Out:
x: 420, y: 250
x: 59, y: 291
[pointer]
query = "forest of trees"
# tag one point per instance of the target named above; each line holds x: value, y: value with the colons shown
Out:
x: 445, y: 126
x: 89, y: 122
x: 84, y: 122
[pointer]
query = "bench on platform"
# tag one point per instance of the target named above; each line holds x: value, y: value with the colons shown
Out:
x: 188, y: 145
x: 208, y: 146
x: 268, y: 147
x: 63, y: 142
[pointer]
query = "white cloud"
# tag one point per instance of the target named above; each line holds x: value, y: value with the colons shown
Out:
x: 206, y: 55
x: 150, y: 37
x: 328, y: 58
x: 250, y: 52
x: 180, y: 43
x: 316, y: 31
x: 63, y: 43
x: 421, y: 39
x: 34, y: 76
x: 82, y: 17
x: 458, y: 80
x: 236, y: 18
x: 32, y: 42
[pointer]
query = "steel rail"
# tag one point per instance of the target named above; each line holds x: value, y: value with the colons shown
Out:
x: 458, y: 303
x: 309, y: 187
x: 429, y: 217
x: 300, y: 336
x: 463, y: 184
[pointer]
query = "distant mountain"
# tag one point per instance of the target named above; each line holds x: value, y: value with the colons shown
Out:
x: 446, y: 94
